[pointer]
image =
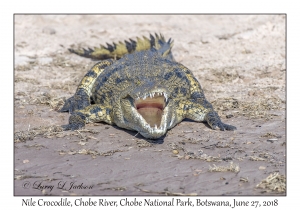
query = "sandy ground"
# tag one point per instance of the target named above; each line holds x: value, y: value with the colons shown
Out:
x: 240, y: 63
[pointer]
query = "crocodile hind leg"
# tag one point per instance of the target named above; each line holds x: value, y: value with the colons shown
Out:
x: 81, y: 98
x: 202, y: 111
x: 92, y: 113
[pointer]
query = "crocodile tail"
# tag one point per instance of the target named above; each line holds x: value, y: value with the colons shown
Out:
x: 164, y: 48
x: 117, y: 51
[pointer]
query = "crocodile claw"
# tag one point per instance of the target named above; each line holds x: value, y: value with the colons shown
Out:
x: 214, y: 121
x: 76, y: 122
x: 223, y: 126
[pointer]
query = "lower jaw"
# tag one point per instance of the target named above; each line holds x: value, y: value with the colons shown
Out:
x: 152, y: 136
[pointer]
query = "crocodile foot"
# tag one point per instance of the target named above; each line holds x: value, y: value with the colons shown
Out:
x: 214, y: 121
x: 76, y: 122
x: 79, y: 101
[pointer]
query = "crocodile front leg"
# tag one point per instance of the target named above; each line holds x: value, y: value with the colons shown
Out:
x: 203, y: 112
x: 92, y: 113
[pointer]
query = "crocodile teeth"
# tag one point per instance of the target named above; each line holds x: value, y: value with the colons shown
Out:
x: 166, y: 96
x: 152, y: 95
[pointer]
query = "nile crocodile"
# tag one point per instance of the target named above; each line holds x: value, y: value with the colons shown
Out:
x: 139, y: 86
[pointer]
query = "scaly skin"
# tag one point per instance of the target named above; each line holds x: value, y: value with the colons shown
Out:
x: 149, y: 72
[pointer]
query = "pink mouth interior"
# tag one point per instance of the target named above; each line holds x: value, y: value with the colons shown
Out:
x: 151, y: 109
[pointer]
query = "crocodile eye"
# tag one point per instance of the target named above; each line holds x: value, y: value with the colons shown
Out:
x: 168, y: 75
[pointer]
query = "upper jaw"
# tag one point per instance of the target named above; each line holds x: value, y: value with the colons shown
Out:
x: 152, y: 95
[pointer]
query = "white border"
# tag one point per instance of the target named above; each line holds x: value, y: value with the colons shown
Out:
x: 152, y: 6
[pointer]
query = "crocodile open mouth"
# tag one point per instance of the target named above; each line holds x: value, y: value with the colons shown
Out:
x: 151, y: 108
